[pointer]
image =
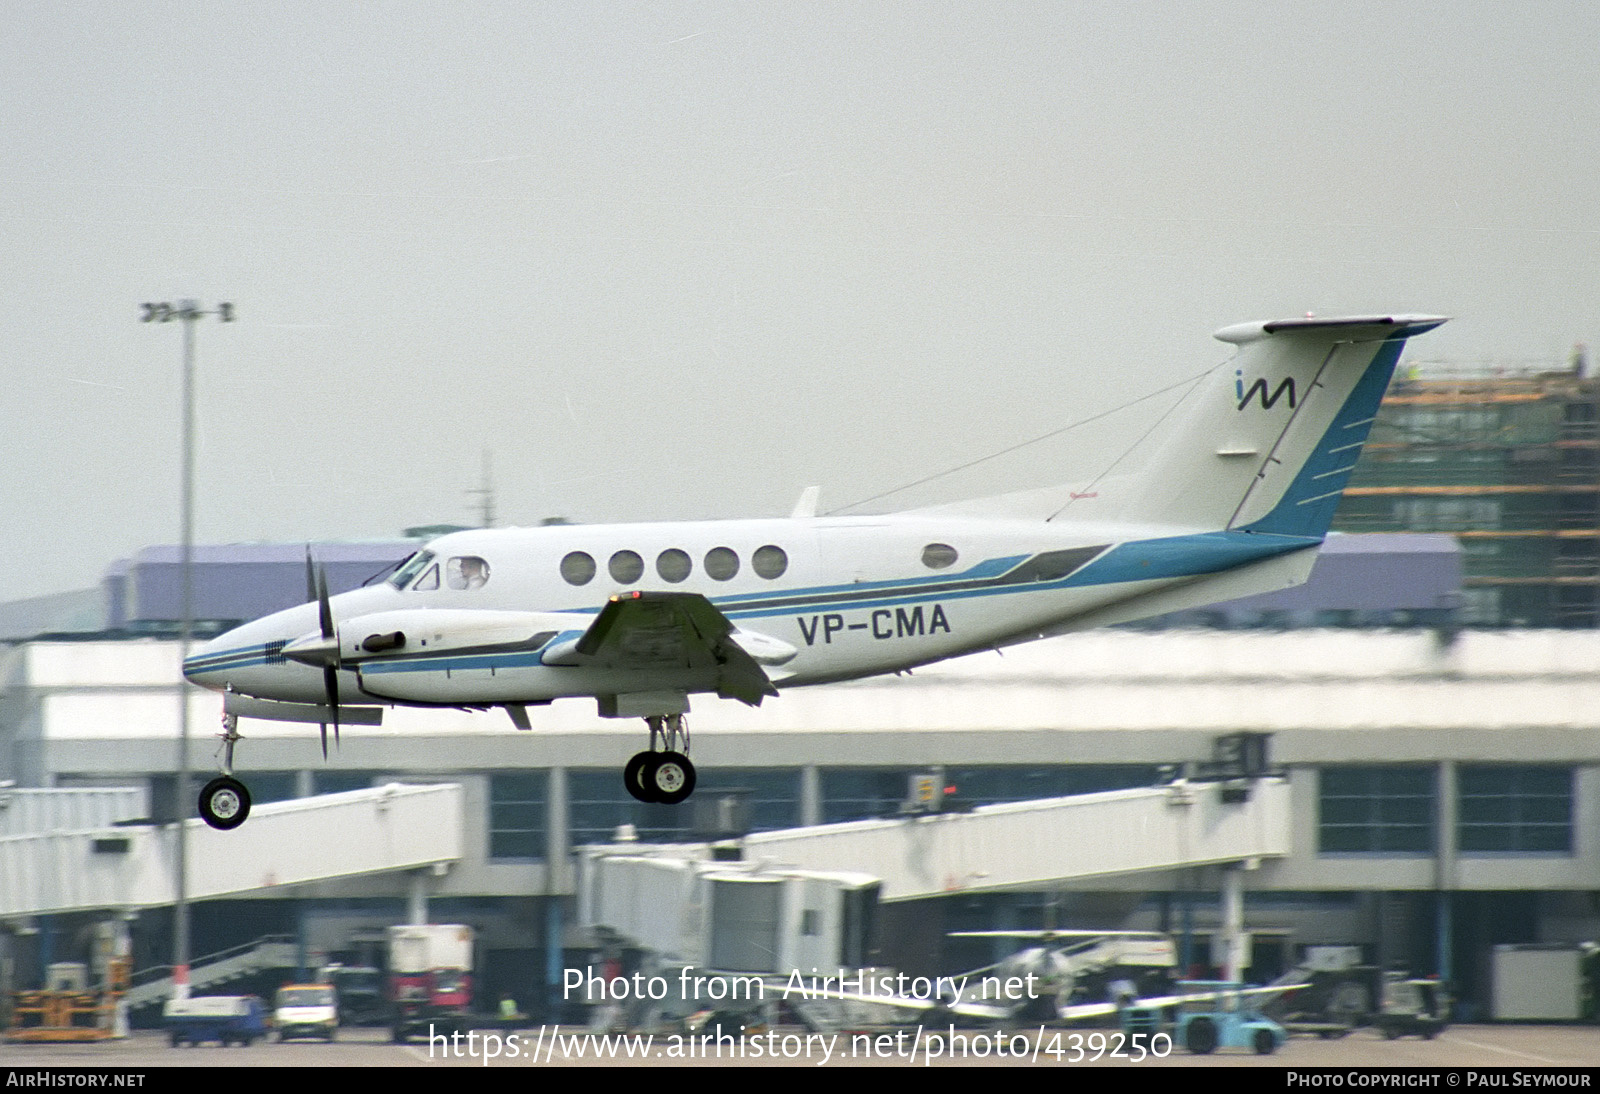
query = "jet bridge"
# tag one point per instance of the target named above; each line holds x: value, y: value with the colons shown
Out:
x: 1021, y: 845
x: 1026, y: 845
x: 130, y: 865
x: 789, y: 893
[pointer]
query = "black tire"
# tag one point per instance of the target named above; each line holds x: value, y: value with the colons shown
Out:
x: 633, y: 776
x: 1201, y: 1037
x: 670, y: 776
x: 224, y: 803
x: 1264, y: 1042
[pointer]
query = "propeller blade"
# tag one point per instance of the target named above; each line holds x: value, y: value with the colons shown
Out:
x: 324, y: 611
x: 330, y: 669
x: 330, y: 681
x: 311, y: 577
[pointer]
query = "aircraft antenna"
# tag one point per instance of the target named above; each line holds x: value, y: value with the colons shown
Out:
x: 1024, y: 444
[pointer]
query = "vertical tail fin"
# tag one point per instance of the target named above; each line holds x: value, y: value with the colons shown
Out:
x: 1275, y: 435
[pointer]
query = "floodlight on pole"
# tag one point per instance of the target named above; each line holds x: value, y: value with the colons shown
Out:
x: 188, y: 312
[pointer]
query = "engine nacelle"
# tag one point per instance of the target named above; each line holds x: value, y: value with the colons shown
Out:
x: 365, y: 639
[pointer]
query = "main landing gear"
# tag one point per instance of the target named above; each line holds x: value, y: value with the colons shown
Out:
x: 663, y: 777
x: 224, y: 802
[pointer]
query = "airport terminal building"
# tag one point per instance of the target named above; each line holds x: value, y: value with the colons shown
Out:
x: 1443, y: 784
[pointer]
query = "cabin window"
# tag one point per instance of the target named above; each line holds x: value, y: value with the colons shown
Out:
x: 410, y: 568
x: 938, y: 556
x: 626, y: 567
x: 769, y: 561
x: 577, y: 568
x: 673, y: 565
x: 466, y: 572
x: 721, y: 563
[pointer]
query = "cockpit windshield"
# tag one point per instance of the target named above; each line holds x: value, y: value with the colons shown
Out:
x: 410, y: 569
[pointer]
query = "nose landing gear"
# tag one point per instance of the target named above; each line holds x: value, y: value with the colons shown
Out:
x: 224, y: 801
x: 666, y: 777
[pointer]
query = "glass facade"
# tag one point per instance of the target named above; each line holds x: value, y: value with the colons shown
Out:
x: 517, y: 809
x: 1515, y: 809
x: 1509, y: 464
x: 1361, y: 809
x: 858, y: 793
x: 265, y: 786
x: 600, y: 804
x: 1377, y: 810
x: 337, y: 782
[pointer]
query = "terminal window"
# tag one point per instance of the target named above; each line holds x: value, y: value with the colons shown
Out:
x: 1515, y: 809
x: 601, y: 804
x: 857, y: 793
x: 517, y: 815
x: 1377, y: 810
x: 338, y: 782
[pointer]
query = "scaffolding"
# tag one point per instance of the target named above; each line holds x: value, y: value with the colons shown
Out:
x: 1510, y: 464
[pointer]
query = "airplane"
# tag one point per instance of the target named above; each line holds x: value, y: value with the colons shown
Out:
x: 1235, y: 498
x: 1134, y: 1009
x: 1071, y: 966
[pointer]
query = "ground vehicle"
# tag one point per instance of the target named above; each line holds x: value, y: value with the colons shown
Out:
x: 1228, y: 1018
x: 1412, y: 1006
x: 228, y: 1019
x: 430, y: 978
x: 361, y: 996
x: 306, y: 1010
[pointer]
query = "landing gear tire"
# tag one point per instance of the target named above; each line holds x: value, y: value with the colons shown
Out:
x: 633, y: 776
x: 224, y: 803
x: 669, y: 776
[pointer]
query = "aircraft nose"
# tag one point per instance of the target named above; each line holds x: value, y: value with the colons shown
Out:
x: 208, y: 664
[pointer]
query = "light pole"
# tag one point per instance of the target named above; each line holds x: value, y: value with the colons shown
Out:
x: 188, y: 312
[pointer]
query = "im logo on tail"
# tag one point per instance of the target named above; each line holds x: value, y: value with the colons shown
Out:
x: 1260, y: 388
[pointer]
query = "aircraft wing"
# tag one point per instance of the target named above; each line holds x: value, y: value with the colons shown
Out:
x: 663, y: 631
x: 989, y: 1012
x: 1081, y: 1011
x: 1053, y: 935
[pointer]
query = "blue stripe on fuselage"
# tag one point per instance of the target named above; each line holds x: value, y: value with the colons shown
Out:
x: 1136, y: 560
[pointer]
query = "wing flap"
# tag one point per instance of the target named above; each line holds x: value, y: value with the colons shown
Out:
x: 664, y: 631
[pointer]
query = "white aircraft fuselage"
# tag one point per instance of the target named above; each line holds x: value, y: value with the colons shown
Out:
x: 855, y: 599
x: 1234, y: 499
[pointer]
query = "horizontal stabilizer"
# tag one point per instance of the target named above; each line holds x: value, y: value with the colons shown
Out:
x: 1348, y: 328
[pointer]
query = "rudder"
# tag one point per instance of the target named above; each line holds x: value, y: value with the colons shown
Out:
x: 1272, y: 442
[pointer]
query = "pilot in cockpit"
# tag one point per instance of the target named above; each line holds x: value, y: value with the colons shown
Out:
x: 466, y: 572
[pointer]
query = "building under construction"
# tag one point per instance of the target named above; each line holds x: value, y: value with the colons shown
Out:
x: 1510, y: 464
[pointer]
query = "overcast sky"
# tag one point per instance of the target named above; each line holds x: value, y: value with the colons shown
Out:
x: 683, y: 260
